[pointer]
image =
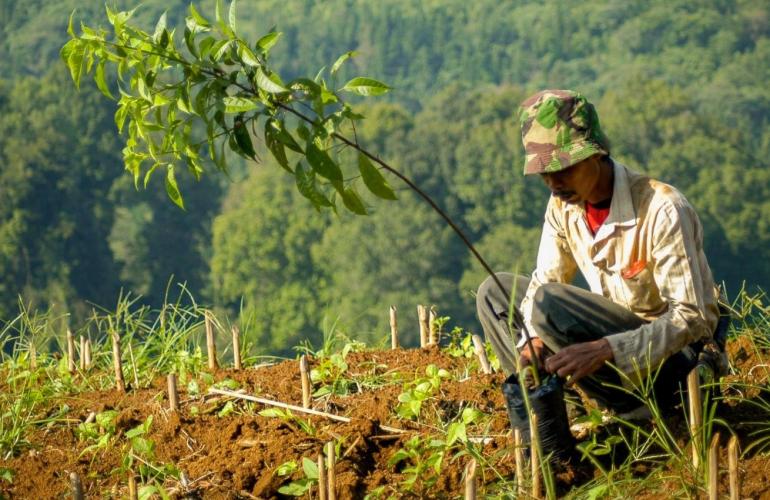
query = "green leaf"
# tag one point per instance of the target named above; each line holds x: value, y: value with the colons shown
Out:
x: 72, y: 53
x: 310, y: 468
x: 243, y: 139
x: 70, y: 29
x: 172, y: 189
x: 268, y: 41
x: 456, y: 433
x: 247, y: 56
x: 271, y: 83
x: 199, y: 19
x: 101, y: 82
x: 306, y: 185
x: 286, y: 468
x: 374, y: 179
x: 238, y: 104
x: 295, y: 488
x: 227, y: 409
x: 275, y: 413
x: 352, y: 201
x: 321, y: 162
x: 231, y: 16
x: 311, y: 88
x: 285, y: 137
x: 365, y: 86
x: 160, y: 27
x: 275, y: 146
x: 344, y: 57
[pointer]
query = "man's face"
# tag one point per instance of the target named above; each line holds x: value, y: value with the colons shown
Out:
x: 576, y: 183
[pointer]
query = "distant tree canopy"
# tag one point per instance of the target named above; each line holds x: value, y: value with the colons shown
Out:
x: 680, y: 87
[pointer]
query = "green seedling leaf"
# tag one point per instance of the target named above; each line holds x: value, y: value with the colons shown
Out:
x: 6, y: 474
x: 341, y: 59
x: 227, y: 409
x: 374, y: 180
x: 276, y: 413
x: 238, y: 104
x: 365, y: 86
x: 310, y: 468
x: 455, y: 433
x: 192, y: 388
x: 172, y: 189
x: 143, y: 447
x: 286, y: 468
x: 471, y: 415
x: 227, y: 383
x: 296, y: 488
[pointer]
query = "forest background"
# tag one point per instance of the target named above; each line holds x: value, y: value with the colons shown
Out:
x: 680, y: 86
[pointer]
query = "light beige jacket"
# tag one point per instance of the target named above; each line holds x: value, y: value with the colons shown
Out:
x: 647, y: 256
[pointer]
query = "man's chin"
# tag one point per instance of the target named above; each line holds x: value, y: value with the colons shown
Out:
x: 571, y: 198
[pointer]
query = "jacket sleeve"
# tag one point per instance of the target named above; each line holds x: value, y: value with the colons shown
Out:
x: 555, y: 262
x: 677, y: 265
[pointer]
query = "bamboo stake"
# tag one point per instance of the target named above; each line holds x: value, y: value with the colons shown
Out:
x: 732, y: 457
x: 304, y: 374
x: 534, y: 455
x: 331, y: 460
x: 173, y: 397
x: 519, y: 454
x: 132, y: 492
x: 422, y: 317
x: 432, y: 336
x: 470, y: 480
x: 32, y: 355
x: 300, y: 409
x: 133, y: 364
x: 696, y: 414
x: 393, y: 327
x: 82, y: 353
x: 88, y: 354
x: 481, y: 352
x: 713, y: 468
x: 236, y: 347
x: 211, y: 347
x: 322, y: 487
x: 120, y: 382
x: 70, y: 351
x: 77, y: 486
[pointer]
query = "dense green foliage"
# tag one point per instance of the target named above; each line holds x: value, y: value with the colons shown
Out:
x: 680, y: 87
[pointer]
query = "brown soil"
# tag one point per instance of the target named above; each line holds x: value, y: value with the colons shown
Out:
x: 236, y: 456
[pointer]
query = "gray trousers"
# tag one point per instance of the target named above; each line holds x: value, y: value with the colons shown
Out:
x: 563, y: 315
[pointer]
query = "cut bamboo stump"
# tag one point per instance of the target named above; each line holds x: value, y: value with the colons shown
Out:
x: 236, y: 347
x: 393, y: 327
x: 534, y: 455
x: 120, y: 382
x: 713, y: 468
x: 211, y: 347
x: 70, y: 351
x: 696, y: 414
x: 481, y: 352
x: 518, y: 451
x: 422, y: 317
x: 331, y: 481
x: 32, y: 355
x: 88, y: 354
x: 432, y: 334
x: 470, y: 480
x: 732, y: 457
x: 77, y: 486
x: 133, y: 494
x: 304, y: 373
x: 173, y: 397
x: 82, y: 353
x: 322, y: 487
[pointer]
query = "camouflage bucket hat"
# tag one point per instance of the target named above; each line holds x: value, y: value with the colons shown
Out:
x: 559, y: 128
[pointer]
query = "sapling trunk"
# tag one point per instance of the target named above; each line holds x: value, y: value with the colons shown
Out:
x: 133, y: 494
x: 322, y: 487
x: 393, y: 327
x: 713, y: 467
x: 481, y: 352
x: 88, y: 354
x: 70, y: 351
x: 77, y: 486
x: 432, y: 337
x: 304, y: 374
x: 120, y: 382
x: 422, y: 317
x: 173, y: 397
x: 470, y: 480
x: 518, y: 451
x: 236, y: 347
x: 211, y: 347
x: 331, y: 461
x: 82, y: 353
x: 696, y: 415
x: 732, y: 457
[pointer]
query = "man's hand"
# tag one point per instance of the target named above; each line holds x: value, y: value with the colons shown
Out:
x: 525, y: 358
x: 576, y: 361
